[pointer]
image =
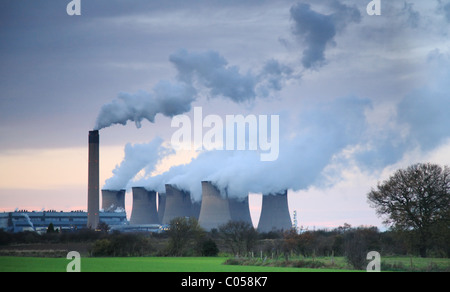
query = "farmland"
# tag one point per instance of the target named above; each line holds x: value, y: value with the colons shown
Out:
x: 199, y: 264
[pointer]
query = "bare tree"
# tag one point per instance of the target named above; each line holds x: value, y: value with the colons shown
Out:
x: 239, y: 236
x: 415, y: 199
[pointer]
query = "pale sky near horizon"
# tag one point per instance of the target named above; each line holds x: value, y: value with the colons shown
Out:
x: 359, y: 96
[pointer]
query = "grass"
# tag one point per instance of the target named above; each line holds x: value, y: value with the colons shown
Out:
x: 404, y: 264
x: 142, y: 264
x: 213, y: 264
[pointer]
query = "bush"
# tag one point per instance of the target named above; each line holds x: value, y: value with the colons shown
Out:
x: 102, y: 248
x: 122, y: 245
x: 209, y: 248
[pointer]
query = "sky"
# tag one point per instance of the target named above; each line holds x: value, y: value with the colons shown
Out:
x: 358, y: 97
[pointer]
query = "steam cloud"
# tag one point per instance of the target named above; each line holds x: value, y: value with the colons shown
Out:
x: 302, y: 159
x: 206, y: 69
x: 324, y: 130
x: 137, y: 157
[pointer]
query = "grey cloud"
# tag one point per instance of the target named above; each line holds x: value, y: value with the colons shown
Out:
x: 317, y: 30
x: 213, y: 72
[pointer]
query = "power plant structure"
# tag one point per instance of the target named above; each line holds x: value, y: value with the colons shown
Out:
x: 275, y: 213
x: 178, y: 204
x: 144, y: 207
x: 152, y: 208
x: 161, y: 206
x: 113, y: 201
x: 240, y: 210
x: 215, y: 209
x: 94, y: 180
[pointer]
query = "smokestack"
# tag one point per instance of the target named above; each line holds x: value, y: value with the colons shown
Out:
x: 178, y: 204
x: 275, y: 213
x: 113, y: 200
x: 144, y: 207
x: 215, y: 209
x: 240, y: 210
x: 93, y: 180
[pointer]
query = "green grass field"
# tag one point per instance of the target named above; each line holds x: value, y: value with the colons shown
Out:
x: 200, y: 264
x: 150, y: 264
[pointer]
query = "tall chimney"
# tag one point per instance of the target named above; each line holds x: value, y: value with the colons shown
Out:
x: 275, y: 213
x: 94, y: 180
x: 215, y: 209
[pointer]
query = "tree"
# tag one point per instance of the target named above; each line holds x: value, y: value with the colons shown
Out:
x: 51, y: 228
x: 183, y: 232
x: 416, y: 199
x: 239, y: 236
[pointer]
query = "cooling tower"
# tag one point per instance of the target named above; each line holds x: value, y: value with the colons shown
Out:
x: 113, y: 200
x: 161, y: 206
x: 178, y: 204
x: 144, y: 207
x: 239, y: 210
x: 215, y: 209
x: 93, y: 180
x: 275, y: 213
x: 196, y: 207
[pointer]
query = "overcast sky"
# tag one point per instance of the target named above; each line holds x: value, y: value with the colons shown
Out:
x: 358, y: 96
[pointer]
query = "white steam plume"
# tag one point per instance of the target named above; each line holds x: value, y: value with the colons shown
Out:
x: 208, y: 70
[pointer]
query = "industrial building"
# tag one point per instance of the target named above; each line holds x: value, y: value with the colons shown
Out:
x: 178, y: 204
x: 23, y: 220
x: 275, y: 213
x: 113, y: 200
x: 215, y: 209
x: 144, y: 207
x: 150, y: 208
x: 151, y: 211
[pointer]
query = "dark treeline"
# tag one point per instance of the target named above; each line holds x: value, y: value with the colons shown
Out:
x: 187, y: 238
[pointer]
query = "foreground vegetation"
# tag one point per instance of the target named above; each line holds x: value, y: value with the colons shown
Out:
x: 393, y: 264
x: 133, y: 264
x: 214, y: 264
x: 233, y: 247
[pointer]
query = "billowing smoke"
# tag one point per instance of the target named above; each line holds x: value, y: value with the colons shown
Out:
x: 324, y: 132
x: 168, y: 98
x: 196, y: 71
x: 137, y: 157
x: 317, y: 30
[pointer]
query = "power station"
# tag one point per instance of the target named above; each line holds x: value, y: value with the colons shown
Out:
x: 113, y: 201
x: 151, y: 209
x: 144, y: 207
x: 215, y: 209
x: 178, y: 204
x: 275, y: 213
